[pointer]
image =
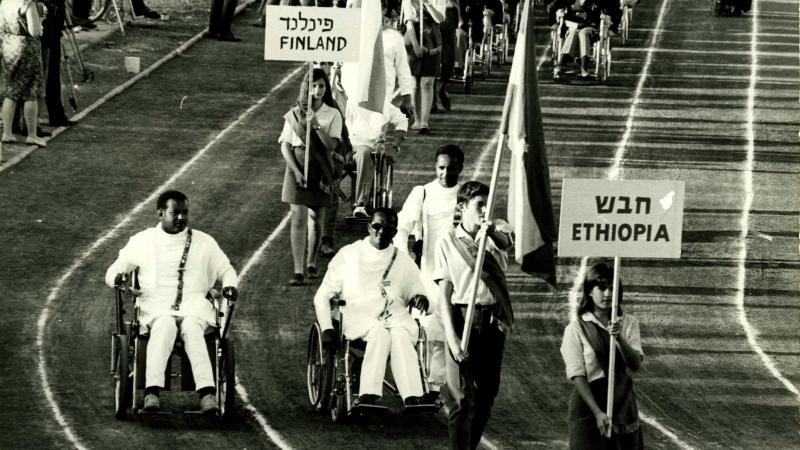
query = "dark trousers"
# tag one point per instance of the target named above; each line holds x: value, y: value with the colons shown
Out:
x: 473, y: 384
x: 448, y: 31
x: 80, y: 8
x: 51, y: 61
x: 221, y: 18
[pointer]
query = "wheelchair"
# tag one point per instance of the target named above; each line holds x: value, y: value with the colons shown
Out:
x: 601, y: 47
x: 129, y: 354
x: 332, y: 377
x: 380, y: 195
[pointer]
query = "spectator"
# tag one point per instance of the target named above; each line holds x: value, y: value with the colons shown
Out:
x: 308, y: 192
x: 80, y: 14
x: 140, y: 9
x: 22, y: 77
x: 221, y: 19
x: 51, y: 59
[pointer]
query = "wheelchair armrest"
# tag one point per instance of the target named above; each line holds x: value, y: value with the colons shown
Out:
x: 336, y: 301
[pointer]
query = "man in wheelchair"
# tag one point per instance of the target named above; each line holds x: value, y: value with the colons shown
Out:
x: 378, y: 284
x: 583, y: 19
x: 372, y: 132
x: 177, y: 266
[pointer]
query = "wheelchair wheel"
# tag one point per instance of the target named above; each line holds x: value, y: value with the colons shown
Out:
x: 226, y: 380
x: 338, y: 407
x: 319, y: 371
x: 99, y: 9
x: 123, y: 390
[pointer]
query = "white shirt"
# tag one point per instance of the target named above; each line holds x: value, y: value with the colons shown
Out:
x: 579, y: 357
x: 395, y: 62
x: 157, y: 254
x: 428, y: 211
x: 451, y: 266
x: 355, y: 275
x: 329, y: 120
x: 409, y: 9
x: 366, y: 127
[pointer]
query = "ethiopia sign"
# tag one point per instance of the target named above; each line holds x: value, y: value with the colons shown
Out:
x: 295, y: 33
x: 630, y: 218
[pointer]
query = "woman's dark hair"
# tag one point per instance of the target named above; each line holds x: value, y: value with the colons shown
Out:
x: 327, y: 97
x: 602, y: 275
x: 451, y: 150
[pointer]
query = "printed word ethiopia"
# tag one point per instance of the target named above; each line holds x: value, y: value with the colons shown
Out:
x: 618, y: 232
x: 323, y: 43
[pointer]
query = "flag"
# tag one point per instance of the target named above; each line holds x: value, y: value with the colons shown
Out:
x: 365, y: 81
x: 530, y: 206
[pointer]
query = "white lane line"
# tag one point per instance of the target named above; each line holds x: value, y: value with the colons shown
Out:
x: 272, y: 433
x: 744, y: 222
x: 614, y: 173
x: 44, y: 316
x: 703, y: 52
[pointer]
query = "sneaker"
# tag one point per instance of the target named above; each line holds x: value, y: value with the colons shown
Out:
x: 424, y: 130
x: 151, y: 403
x: 367, y: 399
x: 208, y: 404
x: 9, y: 139
x: 296, y: 280
x: 416, y: 126
x: 360, y: 211
x: 312, y: 272
x: 39, y: 142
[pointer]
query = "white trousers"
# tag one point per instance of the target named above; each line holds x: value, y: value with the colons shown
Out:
x: 163, y: 331
x: 365, y: 172
x: 584, y: 41
x: 405, y: 368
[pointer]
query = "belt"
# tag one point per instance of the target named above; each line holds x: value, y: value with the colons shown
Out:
x: 483, y: 317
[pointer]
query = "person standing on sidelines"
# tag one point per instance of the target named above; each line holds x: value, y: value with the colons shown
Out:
x: 586, y: 357
x: 177, y: 267
x: 308, y: 192
x: 51, y: 58
x: 221, y: 19
x: 448, y: 30
x: 427, y: 214
x: 473, y: 377
x: 423, y: 57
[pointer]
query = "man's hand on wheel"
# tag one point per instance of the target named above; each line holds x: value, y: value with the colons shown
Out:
x: 330, y: 340
x: 230, y: 293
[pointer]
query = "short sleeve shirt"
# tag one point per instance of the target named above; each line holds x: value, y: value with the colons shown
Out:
x: 329, y: 120
x: 579, y: 357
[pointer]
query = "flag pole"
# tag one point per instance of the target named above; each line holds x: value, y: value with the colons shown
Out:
x: 308, y: 121
x: 421, y: 20
x: 487, y: 214
x: 613, y: 344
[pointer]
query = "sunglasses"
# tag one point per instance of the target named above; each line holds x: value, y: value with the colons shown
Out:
x: 377, y: 227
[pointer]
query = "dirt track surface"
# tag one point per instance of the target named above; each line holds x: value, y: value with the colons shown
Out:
x: 703, y: 383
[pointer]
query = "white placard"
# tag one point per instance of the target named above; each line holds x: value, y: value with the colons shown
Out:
x: 630, y: 218
x: 296, y: 33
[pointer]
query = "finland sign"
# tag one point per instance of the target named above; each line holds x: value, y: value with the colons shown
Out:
x: 630, y: 218
x: 296, y: 33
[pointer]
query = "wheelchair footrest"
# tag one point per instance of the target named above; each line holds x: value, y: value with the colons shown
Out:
x: 421, y: 410
x: 369, y: 410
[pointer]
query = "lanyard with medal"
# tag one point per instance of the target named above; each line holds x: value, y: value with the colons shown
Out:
x: 384, y: 284
x: 181, y: 268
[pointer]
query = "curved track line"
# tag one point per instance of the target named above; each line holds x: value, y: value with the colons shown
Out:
x: 744, y: 222
x: 614, y: 172
x: 79, y: 261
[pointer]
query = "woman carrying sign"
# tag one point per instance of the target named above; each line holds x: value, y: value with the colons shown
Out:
x: 585, y: 350
x: 308, y: 192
